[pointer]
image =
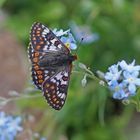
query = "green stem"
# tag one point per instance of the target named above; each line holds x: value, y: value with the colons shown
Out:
x: 90, y: 75
x: 101, y: 112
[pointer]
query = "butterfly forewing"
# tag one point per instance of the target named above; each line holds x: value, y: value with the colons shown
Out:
x: 44, y: 40
x: 55, y: 88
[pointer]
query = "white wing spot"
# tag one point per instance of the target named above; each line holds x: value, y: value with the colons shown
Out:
x: 59, y: 76
x: 66, y: 74
x: 43, y: 33
x: 60, y: 94
x: 36, y: 77
x: 63, y: 96
x: 53, y: 80
x: 63, y: 82
x: 45, y: 48
x: 53, y: 48
x: 53, y: 40
x: 46, y: 71
x: 43, y: 36
x: 62, y: 102
x: 59, y: 46
x: 46, y: 30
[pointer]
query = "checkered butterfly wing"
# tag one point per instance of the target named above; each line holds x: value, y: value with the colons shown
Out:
x: 52, y: 81
x: 55, y: 88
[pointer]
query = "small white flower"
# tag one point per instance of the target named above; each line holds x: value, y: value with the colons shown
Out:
x: 113, y: 74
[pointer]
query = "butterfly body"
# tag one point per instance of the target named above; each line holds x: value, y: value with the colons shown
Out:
x: 51, y: 64
x: 57, y: 60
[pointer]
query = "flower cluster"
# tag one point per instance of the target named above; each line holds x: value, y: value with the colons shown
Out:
x: 123, y: 79
x: 66, y: 37
x: 9, y: 126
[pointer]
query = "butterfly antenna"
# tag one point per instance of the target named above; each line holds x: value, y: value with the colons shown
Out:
x: 79, y: 44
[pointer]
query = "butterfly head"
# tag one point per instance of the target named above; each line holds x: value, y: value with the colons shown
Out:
x: 75, y: 57
x: 72, y: 58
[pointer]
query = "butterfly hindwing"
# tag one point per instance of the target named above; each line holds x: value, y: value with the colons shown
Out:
x: 55, y: 88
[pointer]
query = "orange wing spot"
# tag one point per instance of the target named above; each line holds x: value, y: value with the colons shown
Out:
x: 38, y: 32
x: 34, y: 38
x: 52, y: 87
x: 54, y: 100
x: 35, y: 59
x: 40, y: 81
x: 38, y: 47
x: 36, y: 54
x: 41, y: 42
x: 38, y: 35
x: 57, y: 102
x: 39, y: 72
x: 40, y: 76
x: 36, y: 67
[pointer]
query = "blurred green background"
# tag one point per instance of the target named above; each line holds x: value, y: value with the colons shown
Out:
x: 89, y: 113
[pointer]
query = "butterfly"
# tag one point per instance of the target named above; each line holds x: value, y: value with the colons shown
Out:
x: 51, y: 64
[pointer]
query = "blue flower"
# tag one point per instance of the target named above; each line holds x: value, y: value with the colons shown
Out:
x: 119, y: 90
x: 43, y: 138
x: 129, y: 67
x: 9, y: 126
x: 69, y: 41
x: 132, y: 80
x: 123, y: 79
x: 83, y: 32
x: 113, y: 74
x: 3, y: 119
x: 66, y: 37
